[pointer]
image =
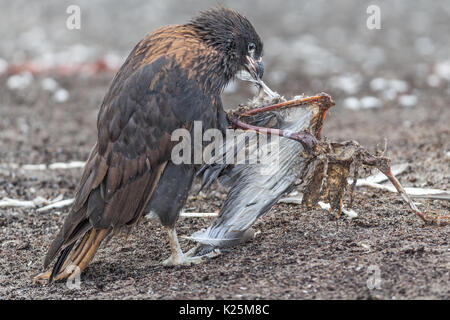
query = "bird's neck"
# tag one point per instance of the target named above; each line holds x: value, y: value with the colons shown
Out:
x: 212, y: 72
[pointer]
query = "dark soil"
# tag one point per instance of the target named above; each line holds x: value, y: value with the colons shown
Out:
x: 310, y: 46
x: 298, y: 254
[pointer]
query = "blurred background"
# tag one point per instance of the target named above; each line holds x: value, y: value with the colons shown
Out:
x: 390, y: 83
x: 398, y: 72
x: 310, y: 46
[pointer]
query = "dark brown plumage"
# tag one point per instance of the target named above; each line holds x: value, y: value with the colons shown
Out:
x: 173, y: 77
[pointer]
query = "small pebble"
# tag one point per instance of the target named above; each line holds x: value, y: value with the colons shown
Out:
x: 49, y: 84
x: 442, y: 69
x: 370, y: 102
x: 3, y: 66
x: 20, y: 81
x: 352, y: 103
x: 61, y: 95
x: 378, y: 84
x: 407, y: 100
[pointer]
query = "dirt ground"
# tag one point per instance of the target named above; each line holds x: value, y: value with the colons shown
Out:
x: 310, y: 46
x: 298, y: 254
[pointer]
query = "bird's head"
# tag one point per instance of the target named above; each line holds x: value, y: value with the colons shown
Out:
x: 234, y: 37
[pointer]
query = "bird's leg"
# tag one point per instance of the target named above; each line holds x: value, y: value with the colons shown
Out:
x: 177, y: 256
x: 308, y: 141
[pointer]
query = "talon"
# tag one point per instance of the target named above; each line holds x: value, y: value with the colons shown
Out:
x: 186, y: 259
x: 42, y: 278
x: 183, y: 260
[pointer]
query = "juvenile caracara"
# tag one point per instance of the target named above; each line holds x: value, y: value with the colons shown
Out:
x: 174, y: 76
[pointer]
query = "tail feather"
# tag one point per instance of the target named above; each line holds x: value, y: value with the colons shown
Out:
x: 80, y: 256
x: 59, y: 263
x: 63, y: 241
x: 91, y: 223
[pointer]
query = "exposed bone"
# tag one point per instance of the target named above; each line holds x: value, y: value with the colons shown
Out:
x: 342, y: 155
x: 70, y: 165
x: 373, y: 181
x: 379, y: 176
x: 320, y: 170
x: 383, y: 165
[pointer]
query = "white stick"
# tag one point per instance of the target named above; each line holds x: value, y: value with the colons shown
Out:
x: 57, y: 204
x: 292, y: 200
x: 70, y: 165
x: 41, y: 167
x: 8, y: 203
x: 414, y: 192
x: 373, y: 181
x: 199, y: 214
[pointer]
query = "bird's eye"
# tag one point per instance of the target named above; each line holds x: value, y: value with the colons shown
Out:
x: 251, y: 47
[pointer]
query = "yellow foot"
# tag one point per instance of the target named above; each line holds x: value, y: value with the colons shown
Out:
x: 42, y: 278
x: 187, y: 259
x: 181, y: 260
x: 70, y: 272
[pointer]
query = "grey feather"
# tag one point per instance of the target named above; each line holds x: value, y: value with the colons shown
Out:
x: 255, y: 188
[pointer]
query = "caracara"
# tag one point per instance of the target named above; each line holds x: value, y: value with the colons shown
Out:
x: 173, y: 77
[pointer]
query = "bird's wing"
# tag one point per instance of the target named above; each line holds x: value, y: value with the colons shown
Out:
x: 255, y: 188
x: 134, y: 141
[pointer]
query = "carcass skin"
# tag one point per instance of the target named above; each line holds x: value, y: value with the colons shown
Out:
x: 255, y: 188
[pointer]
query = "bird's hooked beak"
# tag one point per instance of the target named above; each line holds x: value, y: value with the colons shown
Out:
x: 255, y: 67
x: 253, y: 72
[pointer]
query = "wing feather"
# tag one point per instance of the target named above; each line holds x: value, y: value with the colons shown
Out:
x: 150, y: 97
